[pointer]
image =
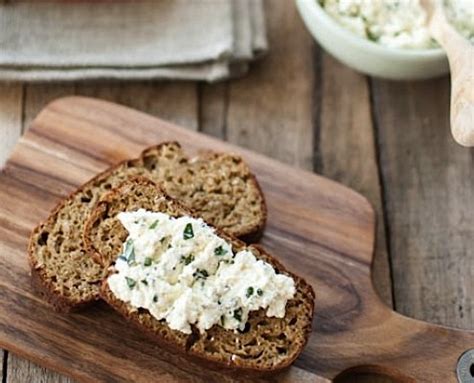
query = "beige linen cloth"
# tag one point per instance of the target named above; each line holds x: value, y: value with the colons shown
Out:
x: 180, y: 39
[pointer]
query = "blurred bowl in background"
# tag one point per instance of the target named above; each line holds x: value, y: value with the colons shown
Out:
x: 367, y: 56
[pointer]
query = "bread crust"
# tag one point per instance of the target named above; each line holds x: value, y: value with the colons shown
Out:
x: 60, y: 304
x: 46, y: 288
x: 135, y: 317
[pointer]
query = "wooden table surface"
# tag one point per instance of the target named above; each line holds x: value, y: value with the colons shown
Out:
x: 388, y: 140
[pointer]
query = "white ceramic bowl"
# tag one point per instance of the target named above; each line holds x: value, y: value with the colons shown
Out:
x: 367, y: 56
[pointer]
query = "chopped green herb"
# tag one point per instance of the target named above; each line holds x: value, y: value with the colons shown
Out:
x: 153, y: 225
x: 147, y: 261
x: 249, y: 292
x: 220, y: 250
x: 371, y: 36
x: 155, y: 298
x: 201, y: 273
x: 188, y: 231
x: 187, y: 260
x: 260, y: 292
x: 144, y: 281
x: 238, y: 314
x: 129, y: 253
x: 131, y: 282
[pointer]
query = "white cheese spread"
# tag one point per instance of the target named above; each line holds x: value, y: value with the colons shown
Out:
x: 183, y: 272
x: 397, y: 23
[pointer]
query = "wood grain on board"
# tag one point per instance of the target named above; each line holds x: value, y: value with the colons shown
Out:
x: 55, y: 124
x: 320, y: 229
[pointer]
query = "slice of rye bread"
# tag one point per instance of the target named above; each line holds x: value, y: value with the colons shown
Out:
x: 266, y: 345
x: 219, y: 186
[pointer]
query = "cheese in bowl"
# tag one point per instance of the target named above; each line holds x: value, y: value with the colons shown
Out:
x: 460, y: 14
x: 397, y: 23
x: 182, y: 272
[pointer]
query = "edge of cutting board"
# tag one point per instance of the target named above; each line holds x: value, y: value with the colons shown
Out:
x: 319, y: 228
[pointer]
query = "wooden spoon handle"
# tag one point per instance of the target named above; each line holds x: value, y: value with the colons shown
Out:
x: 460, y: 54
x: 462, y: 98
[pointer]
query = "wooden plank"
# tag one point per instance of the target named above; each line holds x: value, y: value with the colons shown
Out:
x: 346, y: 149
x: 21, y: 370
x: 11, y: 109
x: 270, y: 110
x: 176, y: 102
x: 213, y: 104
x: 429, y: 190
x: 11, y: 99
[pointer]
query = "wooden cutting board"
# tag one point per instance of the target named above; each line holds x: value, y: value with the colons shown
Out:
x: 318, y: 228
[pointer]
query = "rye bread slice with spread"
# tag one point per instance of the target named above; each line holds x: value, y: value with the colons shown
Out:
x: 267, y: 344
x: 218, y: 186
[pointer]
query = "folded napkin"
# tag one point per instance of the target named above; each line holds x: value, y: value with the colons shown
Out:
x: 181, y: 39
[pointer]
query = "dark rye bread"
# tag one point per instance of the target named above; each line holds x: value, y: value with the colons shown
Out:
x: 219, y: 186
x: 266, y: 345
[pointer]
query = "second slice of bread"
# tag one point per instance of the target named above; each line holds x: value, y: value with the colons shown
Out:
x: 267, y: 344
